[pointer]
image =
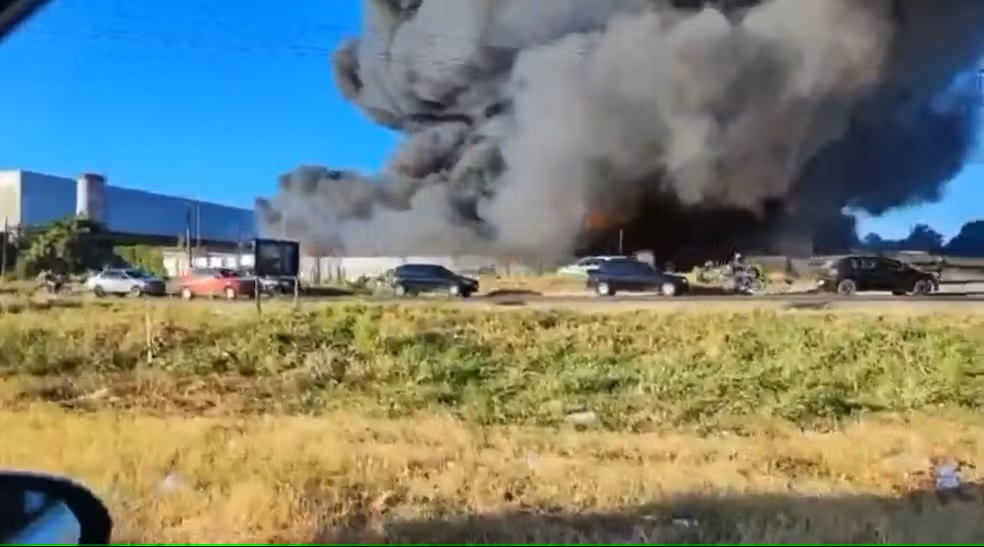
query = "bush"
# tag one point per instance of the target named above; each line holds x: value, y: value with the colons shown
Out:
x: 144, y: 257
x: 637, y: 371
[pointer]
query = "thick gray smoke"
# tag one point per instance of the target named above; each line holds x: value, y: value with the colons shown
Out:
x: 522, y: 116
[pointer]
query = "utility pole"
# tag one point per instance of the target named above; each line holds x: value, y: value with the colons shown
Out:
x: 188, y: 236
x: 239, y: 249
x: 621, y: 240
x: 6, y: 243
x: 198, y: 225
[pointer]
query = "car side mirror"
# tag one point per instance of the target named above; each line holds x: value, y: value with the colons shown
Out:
x: 39, y: 509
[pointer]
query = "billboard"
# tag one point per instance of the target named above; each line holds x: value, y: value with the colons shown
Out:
x: 276, y: 257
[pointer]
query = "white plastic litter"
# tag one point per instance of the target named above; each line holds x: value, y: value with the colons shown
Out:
x: 947, y: 475
x: 172, y: 482
x: 583, y: 418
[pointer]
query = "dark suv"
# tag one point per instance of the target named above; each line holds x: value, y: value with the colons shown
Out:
x: 612, y: 276
x: 413, y: 279
x: 852, y: 274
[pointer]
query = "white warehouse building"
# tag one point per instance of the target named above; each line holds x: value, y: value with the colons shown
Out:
x: 29, y: 199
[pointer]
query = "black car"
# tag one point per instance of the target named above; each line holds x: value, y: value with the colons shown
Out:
x: 612, y: 276
x: 851, y: 274
x: 413, y: 279
x: 279, y: 284
x: 271, y: 284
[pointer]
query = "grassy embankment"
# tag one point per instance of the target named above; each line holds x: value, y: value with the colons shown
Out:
x: 433, y: 424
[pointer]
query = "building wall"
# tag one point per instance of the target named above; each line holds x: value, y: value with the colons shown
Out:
x: 140, y: 212
x: 176, y: 260
x: 10, y: 197
x: 45, y: 198
x: 34, y: 199
x: 351, y: 268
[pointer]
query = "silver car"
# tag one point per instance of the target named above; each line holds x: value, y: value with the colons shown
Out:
x: 125, y: 282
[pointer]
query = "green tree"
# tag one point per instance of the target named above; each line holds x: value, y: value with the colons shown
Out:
x: 147, y: 258
x: 923, y: 238
x: 69, y: 245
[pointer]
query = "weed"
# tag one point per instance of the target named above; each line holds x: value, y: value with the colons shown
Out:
x: 638, y: 370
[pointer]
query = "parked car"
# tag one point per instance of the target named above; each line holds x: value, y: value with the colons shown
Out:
x: 271, y: 284
x: 628, y: 275
x: 852, y: 274
x: 125, y: 281
x: 413, y: 279
x: 587, y: 264
x: 212, y: 282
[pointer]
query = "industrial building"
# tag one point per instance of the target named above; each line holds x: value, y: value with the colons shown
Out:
x: 29, y: 199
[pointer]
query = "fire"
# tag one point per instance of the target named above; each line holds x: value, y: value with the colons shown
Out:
x: 598, y: 221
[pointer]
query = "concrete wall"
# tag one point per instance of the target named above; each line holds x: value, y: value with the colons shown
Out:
x: 176, y: 260
x: 328, y: 270
x: 332, y: 269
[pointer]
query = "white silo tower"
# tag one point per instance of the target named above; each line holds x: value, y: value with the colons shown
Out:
x: 90, y: 191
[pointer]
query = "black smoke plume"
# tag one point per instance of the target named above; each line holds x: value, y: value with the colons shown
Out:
x: 692, y: 127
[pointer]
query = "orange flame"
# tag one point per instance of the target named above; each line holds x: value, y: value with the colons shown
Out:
x: 598, y: 221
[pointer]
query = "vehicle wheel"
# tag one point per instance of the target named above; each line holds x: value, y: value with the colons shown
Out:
x: 98, y: 291
x: 454, y: 290
x: 604, y: 289
x: 230, y: 293
x: 847, y: 287
x: 922, y: 288
x: 668, y: 289
x: 466, y: 294
x: 136, y: 292
x: 400, y: 290
x: 186, y: 293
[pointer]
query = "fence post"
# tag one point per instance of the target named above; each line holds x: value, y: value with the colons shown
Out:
x: 148, y: 329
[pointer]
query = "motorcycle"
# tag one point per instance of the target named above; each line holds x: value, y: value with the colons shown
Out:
x: 51, y: 284
x: 747, y: 282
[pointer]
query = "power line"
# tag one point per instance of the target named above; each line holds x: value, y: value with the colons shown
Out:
x: 251, y: 45
x: 337, y: 32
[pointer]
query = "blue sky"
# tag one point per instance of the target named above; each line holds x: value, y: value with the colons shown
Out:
x: 205, y: 98
x: 213, y: 99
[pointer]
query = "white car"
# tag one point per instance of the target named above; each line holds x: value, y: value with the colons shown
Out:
x: 585, y: 265
x: 125, y: 282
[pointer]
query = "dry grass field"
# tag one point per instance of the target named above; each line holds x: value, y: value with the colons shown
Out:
x: 543, y: 284
x: 439, y: 424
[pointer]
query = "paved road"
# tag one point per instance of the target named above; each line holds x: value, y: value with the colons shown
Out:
x: 949, y: 302
x: 966, y: 303
x: 806, y: 301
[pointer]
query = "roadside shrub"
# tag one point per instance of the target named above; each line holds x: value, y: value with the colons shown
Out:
x: 637, y: 371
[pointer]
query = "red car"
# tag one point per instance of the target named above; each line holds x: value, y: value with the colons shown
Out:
x: 214, y: 282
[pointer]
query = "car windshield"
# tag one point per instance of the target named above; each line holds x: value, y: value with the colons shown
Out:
x: 137, y: 274
x: 428, y: 270
x: 627, y: 266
